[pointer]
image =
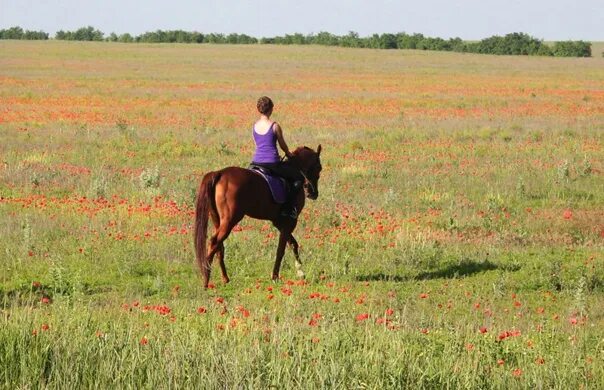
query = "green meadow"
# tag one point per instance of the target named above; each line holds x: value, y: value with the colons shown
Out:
x: 457, y: 242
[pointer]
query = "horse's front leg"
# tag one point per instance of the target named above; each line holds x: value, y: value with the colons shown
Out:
x: 283, y: 239
x: 294, y: 245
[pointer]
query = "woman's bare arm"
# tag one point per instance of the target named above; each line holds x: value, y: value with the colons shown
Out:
x: 279, y: 132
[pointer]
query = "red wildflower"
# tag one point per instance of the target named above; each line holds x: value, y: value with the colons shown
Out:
x: 483, y: 329
x: 362, y: 317
x: 270, y: 296
x: 540, y: 361
x: 517, y: 372
x: 389, y: 312
x: 500, y: 362
x: 45, y: 300
x: 45, y: 327
x: 219, y: 300
x: 286, y: 291
x: 144, y: 341
x: 573, y: 320
x: 36, y: 284
x: 201, y: 310
x: 568, y: 214
x: 423, y: 295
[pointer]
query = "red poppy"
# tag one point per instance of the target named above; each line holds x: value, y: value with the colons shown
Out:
x: 362, y: 317
x: 389, y: 312
x: 45, y: 327
x: 423, y: 295
x: 286, y: 291
x: 144, y: 341
x: 517, y: 372
x: 45, y: 300
x: 483, y: 329
x: 568, y: 214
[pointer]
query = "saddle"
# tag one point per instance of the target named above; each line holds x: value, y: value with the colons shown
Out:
x: 278, y: 186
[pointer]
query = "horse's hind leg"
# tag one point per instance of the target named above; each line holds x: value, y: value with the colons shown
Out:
x: 220, y: 253
x: 216, y: 245
x: 294, y: 245
x: 220, y: 249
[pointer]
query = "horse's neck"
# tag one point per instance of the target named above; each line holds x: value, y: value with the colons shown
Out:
x: 295, y: 162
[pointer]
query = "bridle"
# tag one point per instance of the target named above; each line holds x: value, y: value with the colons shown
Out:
x: 306, y: 179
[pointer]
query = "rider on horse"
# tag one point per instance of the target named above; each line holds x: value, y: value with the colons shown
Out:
x: 266, y: 135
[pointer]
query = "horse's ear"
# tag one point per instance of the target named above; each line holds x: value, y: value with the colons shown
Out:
x: 319, y: 149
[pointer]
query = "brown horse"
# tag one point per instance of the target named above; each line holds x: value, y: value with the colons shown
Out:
x: 232, y: 193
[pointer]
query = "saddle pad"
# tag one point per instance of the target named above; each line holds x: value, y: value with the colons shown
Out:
x: 275, y: 184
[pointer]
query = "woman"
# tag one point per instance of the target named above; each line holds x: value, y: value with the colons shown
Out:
x: 266, y: 135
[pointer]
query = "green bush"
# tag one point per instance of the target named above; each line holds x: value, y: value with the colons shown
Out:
x: 572, y: 49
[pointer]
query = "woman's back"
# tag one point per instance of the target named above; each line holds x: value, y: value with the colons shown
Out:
x: 266, y: 142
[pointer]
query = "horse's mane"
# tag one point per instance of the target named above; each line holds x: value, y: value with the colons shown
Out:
x: 299, y: 149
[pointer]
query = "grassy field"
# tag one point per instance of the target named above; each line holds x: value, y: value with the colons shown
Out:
x: 458, y: 241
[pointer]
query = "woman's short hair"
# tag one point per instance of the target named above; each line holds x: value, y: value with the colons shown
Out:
x: 264, y: 105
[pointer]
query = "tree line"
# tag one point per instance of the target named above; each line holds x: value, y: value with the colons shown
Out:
x: 510, y: 44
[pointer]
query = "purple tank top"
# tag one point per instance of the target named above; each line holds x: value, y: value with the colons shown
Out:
x: 266, y: 146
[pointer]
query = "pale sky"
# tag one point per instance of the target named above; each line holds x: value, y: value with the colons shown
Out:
x: 468, y: 19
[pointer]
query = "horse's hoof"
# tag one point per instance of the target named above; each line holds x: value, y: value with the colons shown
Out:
x: 275, y: 277
x: 300, y: 274
x: 226, y: 280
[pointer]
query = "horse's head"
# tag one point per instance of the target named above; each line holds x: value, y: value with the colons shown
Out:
x: 309, y: 163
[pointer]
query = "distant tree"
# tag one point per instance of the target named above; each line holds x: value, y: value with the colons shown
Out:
x: 113, y: 37
x: 351, y: 40
x: 325, y: 38
x: 12, y: 33
x: 572, y: 49
x: 214, y: 38
x: 196, y: 37
x: 126, y: 38
x: 387, y: 41
x: 61, y: 35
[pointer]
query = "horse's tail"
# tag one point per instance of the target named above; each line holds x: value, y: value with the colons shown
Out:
x: 204, y: 204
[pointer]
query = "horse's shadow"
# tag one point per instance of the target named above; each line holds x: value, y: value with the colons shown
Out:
x: 459, y: 270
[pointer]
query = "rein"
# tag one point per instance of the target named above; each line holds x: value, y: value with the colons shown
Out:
x: 314, y: 190
x: 308, y: 181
